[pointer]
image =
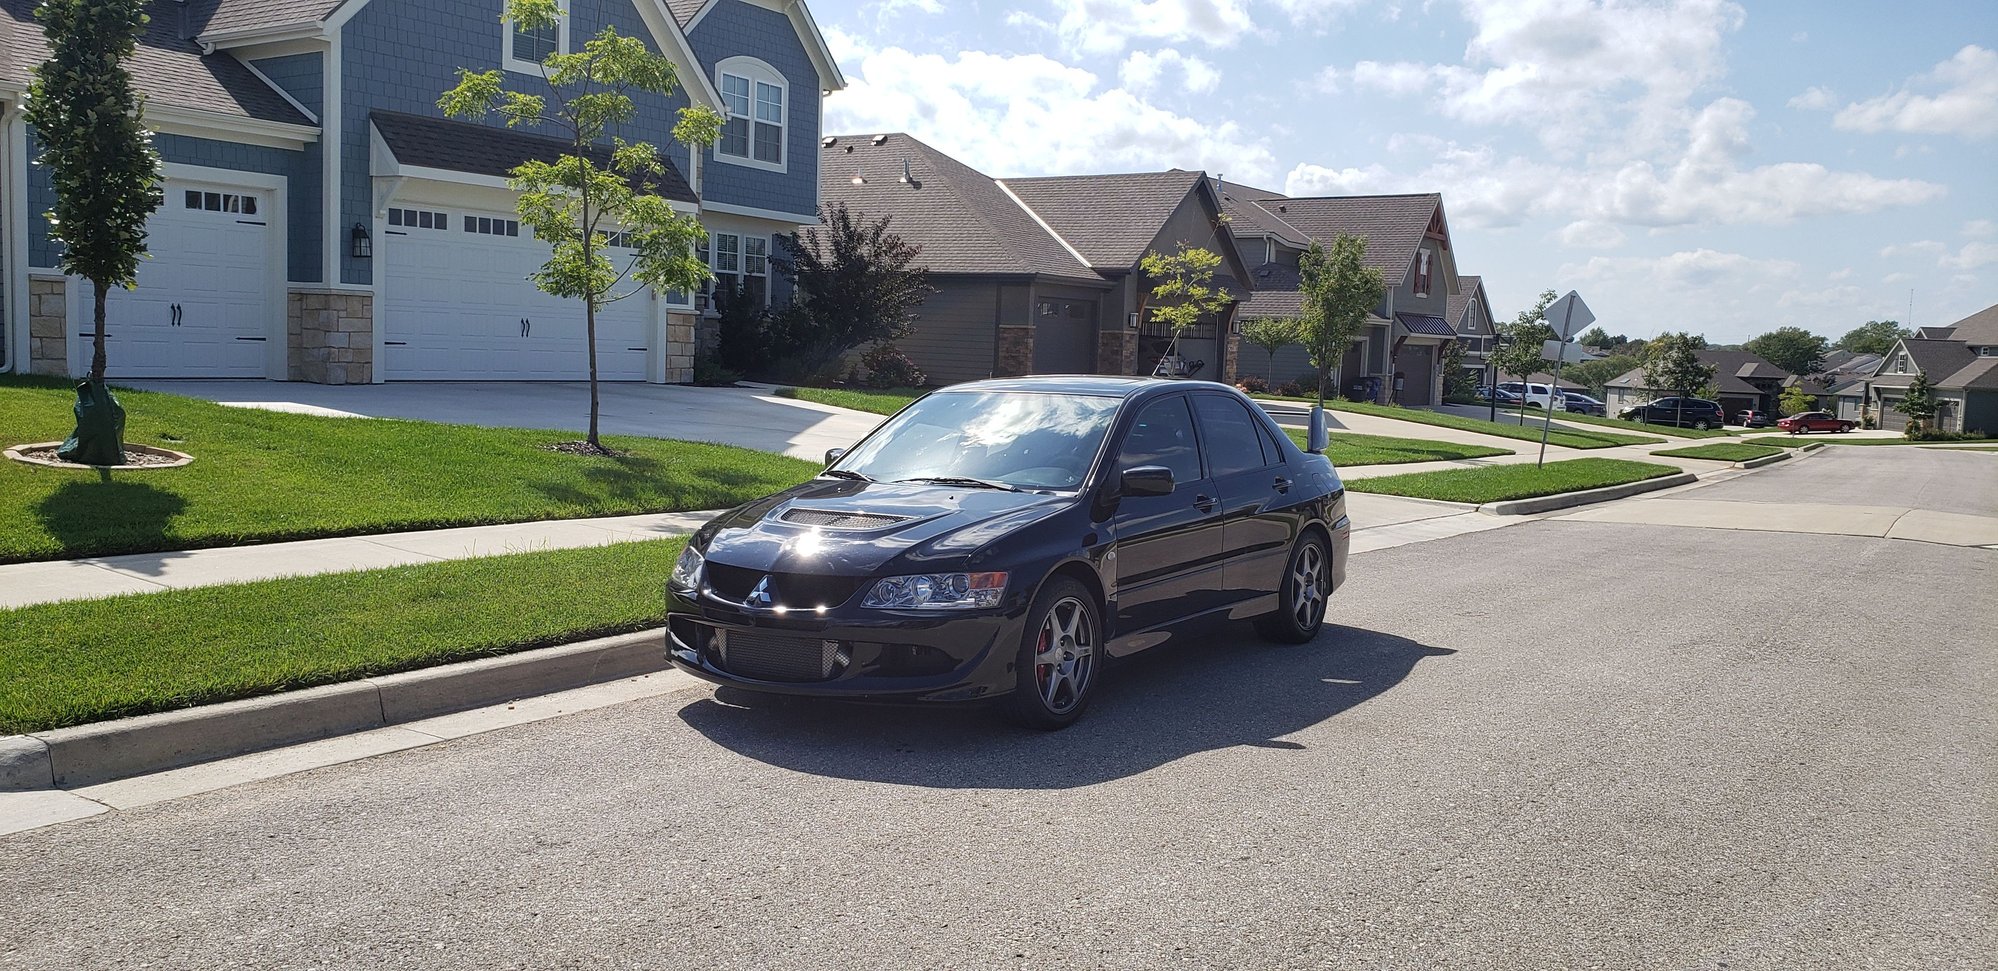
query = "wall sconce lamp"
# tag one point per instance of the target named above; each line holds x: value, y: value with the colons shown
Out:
x: 364, y: 245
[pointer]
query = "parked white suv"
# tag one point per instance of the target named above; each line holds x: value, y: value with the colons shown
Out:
x: 1535, y: 395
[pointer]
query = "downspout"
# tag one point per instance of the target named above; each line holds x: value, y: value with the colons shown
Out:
x: 13, y: 197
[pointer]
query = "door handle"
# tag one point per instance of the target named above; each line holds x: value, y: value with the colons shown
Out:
x: 1203, y: 503
x: 523, y: 326
x: 1282, y: 484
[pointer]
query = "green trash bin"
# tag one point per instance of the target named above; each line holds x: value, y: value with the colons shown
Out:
x: 99, y: 438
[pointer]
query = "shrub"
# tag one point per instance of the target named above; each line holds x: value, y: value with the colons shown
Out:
x: 888, y: 367
x: 1251, y: 384
x: 1931, y: 435
x: 709, y: 373
x: 1294, y: 389
x: 746, y: 341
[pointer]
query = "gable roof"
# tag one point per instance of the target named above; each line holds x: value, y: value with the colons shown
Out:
x: 1393, y: 225
x: 230, y: 16
x: 686, y: 12
x: 1937, y: 359
x: 1109, y: 219
x: 462, y: 146
x: 168, y: 68
x: 1457, y: 307
x: 1277, y: 293
x: 962, y: 219
x: 683, y: 11
x: 1731, y: 371
x: 1247, y: 218
x: 1979, y: 375
x: 1979, y: 329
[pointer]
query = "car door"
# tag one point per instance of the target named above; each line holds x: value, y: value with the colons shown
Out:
x: 1252, y: 484
x: 1167, y: 549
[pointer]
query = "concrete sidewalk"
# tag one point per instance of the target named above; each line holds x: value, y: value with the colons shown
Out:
x: 22, y: 584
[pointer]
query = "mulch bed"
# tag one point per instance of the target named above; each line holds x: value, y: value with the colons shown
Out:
x: 47, y: 453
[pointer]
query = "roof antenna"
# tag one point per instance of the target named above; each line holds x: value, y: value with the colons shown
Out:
x: 908, y: 179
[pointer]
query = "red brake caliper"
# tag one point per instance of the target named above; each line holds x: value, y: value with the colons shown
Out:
x: 1045, y: 672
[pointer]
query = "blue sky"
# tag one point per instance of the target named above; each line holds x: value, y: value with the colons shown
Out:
x: 1707, y: 165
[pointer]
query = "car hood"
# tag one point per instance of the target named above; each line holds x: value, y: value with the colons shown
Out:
x: 850, y: 528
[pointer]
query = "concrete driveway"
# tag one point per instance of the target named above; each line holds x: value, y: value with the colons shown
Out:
x: 752, y: 418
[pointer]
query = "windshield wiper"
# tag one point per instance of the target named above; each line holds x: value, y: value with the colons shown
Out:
x: 846, y: 474
x: 963, y: 480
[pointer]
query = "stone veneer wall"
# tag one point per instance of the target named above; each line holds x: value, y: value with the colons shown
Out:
x: 1231, y: 357
x: 1016, y: 350
x: 48, y: 325
x: 682, y: 342
x: 332, y: 336
x: 1116, y: 351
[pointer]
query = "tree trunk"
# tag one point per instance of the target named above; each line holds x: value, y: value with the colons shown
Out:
x: 590, y: 316
x: 97, y: 340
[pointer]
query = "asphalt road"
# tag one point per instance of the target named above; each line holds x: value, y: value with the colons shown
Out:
x: 1670, y: 747
x: 1938, y: 480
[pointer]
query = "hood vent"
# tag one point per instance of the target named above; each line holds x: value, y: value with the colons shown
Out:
x: 840, y: 520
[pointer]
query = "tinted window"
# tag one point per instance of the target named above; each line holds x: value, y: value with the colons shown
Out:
x: 1028, y: 440
x: 1232, y: 437
x: 1162, y: 435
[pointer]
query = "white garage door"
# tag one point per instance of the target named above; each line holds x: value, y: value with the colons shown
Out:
x: 200, y: 307
x: 458, y: 306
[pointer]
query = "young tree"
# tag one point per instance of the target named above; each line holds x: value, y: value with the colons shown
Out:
x: 106, y: 175
x: 1520, y: 343
x: 1793, y: 349
x: 576, y: 201
x: 1183, y: 289
x: 1458, y: 381
x: 1596, y: 337
x: 1919, y: 405
x: 1873, y: 337
x: 1340, y: 289
x: 1795, y: 400
x: 1272, y: 334
x: 1596, y: 375
x: 857, y: 284
x: 1674, y: 367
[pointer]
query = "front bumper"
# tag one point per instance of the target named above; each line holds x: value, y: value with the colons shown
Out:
x: 845, y: 652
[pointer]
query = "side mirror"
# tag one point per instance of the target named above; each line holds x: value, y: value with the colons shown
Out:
x: 1146, y: 480
x: 833, y: 454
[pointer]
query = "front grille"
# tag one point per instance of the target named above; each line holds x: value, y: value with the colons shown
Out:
x: 799, y: 591
x: 840, y: 520
x: 776, y: 657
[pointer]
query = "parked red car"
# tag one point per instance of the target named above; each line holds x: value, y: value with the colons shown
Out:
x: 1813, y: 421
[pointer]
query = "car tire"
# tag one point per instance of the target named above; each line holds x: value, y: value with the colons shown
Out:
x: 1061, y: 656
x: 1701, y: 424
x: 1301, y: 600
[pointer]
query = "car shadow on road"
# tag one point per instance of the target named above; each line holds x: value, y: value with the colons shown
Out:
x: 1208, y: 689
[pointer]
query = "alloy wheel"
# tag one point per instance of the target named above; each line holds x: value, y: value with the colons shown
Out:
x: 1308, y: 578
x: 1065, y: 654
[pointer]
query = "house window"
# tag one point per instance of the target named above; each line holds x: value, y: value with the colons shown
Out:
x: 1900, y: 364
x: 741, y: 263
x: 1422, y: 274
x: 527, y: 48
x: 753, y: 95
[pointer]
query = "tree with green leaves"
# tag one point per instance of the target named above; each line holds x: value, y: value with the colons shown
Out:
x: 1459, y: 382
x: 100, y: 158
x: 1873, y: 337
x: 1183, y: 291
x: 1339, y: 289
x: 1793, y: 349
x: 1272, y: 334
x: 857, y: 282
x: 1919, y: 404
x: 1520, y: 343
x: 576, y: 201
x: 1675, y: 367
x: 1596, y: 337
x: 1596, y: 375
x: 1795, y: 400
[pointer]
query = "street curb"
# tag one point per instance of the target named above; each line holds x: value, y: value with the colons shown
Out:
x: 1522, y: 507
x: 1765, y: 460
x: 90, y: 754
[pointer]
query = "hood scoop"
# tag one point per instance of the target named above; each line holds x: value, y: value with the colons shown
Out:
x: 831, y: 519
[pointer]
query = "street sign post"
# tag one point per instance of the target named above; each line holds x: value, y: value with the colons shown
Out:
x: 1566, y: 315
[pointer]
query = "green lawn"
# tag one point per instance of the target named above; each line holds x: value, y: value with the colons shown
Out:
x: 262, y: 476
x: 1349, y: 450
x: 1533, y: 414
x: 84, y: 661
x: 1565, y: 437
x: 1720, y: 452
x: 1498, y: 483
x: 885, y: 402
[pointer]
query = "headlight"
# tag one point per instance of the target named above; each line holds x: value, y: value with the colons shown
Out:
x: 938, y: 591
x: 687, y: 570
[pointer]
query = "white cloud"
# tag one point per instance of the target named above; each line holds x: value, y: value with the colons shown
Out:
x: 1965, y: 102
x: 1727, y: 296
x: 1893, y: 278
x: 1028, y: 114
x: 1109, y: 26
x: 1980, y: 228
x: 885, y: 7
x: 1814, y: 99
x: 1926, y: 247
x: 1589, y: 234
x: 1144, y: 71
x: 1971, y: 256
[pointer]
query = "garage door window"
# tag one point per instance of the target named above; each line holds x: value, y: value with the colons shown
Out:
x: 220, y: 202
x: 419, y: 219
x: 488, y: 226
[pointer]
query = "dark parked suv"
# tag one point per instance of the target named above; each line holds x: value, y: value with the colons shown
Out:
x: 1683, y: 412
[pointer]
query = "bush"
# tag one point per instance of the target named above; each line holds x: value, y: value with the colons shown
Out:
x: 709, y: 373
x: 888, y: 367
x: 1250, y: 384
x: 1936, y: 436
x: 745, y: 341
x: 1294, y: 389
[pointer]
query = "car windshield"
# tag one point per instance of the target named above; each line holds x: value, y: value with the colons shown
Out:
x: 1021, y: 440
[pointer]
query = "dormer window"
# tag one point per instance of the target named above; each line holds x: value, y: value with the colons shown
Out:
x: 528, y: 48
x: 754, y: 98
x: 1900, y: 364
x: 1422, y: 273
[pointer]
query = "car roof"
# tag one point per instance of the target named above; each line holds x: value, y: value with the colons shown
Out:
x: 1092, y: 384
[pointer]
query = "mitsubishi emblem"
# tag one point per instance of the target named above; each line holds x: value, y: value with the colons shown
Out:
x: 760, y: 595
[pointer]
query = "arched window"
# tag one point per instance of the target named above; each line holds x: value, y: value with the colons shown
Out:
x: 754, y: 97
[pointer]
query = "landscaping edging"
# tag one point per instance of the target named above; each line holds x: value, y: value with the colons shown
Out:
x: 1765, y: 460
x: 90, y: 754
x: 174, y: 459
x: 1522, y: 507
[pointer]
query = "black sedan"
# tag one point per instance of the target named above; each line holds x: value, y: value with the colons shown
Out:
x: 1001, y: 539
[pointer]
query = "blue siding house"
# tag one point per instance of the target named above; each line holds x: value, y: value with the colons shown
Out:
x: 324, y: 222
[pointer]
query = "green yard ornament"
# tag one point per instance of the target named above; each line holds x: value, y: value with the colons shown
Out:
x: 99, y: 438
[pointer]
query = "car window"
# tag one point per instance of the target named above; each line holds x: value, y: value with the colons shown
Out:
x: 1230, y: 435
x: 1162, y: 435
x: 1029, y: 440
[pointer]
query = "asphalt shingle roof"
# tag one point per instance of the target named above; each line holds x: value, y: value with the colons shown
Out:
x: 684, y: 10
x: 1731, y: 368
x: 1276, y: 293
x: 1979, y: 329
x: 169, y: 69
x: 960, y: 217
x: 1937, y: 359
x: 1458, y: 305
x: 1393, y: 225
x: 1110, y: 219
x: 1247, y: 218
x: 1979, y: 375
x: 460, y: 146
x: 217, y: 16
